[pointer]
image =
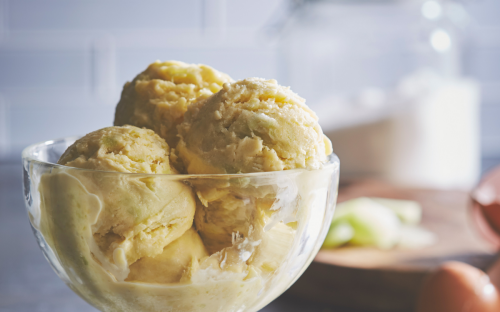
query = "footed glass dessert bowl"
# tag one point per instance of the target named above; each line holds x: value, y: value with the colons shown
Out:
x: 234, y: 242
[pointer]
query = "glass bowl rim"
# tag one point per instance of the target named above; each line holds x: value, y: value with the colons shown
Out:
x: 332, y: 162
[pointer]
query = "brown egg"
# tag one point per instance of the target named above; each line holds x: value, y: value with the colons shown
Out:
x: 486, y: 206
x: 458, y: 287
x: 494, y: 273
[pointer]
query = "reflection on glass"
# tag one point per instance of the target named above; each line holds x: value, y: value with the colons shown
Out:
x: 234, y: 242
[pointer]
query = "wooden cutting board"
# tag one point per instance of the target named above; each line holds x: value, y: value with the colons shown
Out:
x: 373, y: 280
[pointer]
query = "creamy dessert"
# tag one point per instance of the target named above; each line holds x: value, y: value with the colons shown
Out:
x: 191, y: 201
x: 134, y: 218
x: 159, y: 96
x: 251, y: 125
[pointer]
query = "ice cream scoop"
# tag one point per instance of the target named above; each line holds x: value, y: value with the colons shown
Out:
x: 251, y: 125
x: 137, y: 216
x: 159, y: 96
x: 122, y: 149
x: 169, y: 266
x: 226, y: 210
x: 457, y: 286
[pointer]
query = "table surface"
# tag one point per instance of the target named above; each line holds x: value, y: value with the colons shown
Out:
x: 27, y: 282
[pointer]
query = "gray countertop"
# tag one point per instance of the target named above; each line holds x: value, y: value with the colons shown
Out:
x: 27, y: 282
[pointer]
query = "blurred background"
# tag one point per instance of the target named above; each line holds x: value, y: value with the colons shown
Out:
x: 407, y: 90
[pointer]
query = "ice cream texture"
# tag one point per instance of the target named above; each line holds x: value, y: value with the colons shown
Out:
x: 251, y: 125
x: 135, y: 226
x: 159, y: 96
x: 69, y: 211
x: 122, y: 149
x: 139, y: 216
x: 168, y: 267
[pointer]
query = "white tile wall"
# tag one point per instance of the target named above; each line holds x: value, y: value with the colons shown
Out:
x: 36, y: 69
x: 109, y: 15
x: 40, y: 123
x: 4, y: 129
x: 253, y: 14
x: 215, y: 16
x: 238, y: 62
x: 103, y: 69
x: 3, y: 18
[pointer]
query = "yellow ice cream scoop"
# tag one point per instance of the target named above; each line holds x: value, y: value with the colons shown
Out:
x: 139, y: 214
x: 251, y: 125
x: 169, y: 266
x: 159, y: 96
x: 122, y: 149
x: 69, y: 210
x: 220, y: 213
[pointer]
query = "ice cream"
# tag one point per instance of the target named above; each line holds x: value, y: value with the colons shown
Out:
x: 231, y: 208
x: 117, y: 234
x: 122, y: 149
x: 132, y: 231
x: 159, y: 96
x: 69, y: 212
x: 249, y: 126
x: 168, y: 267
x: 139, y: 216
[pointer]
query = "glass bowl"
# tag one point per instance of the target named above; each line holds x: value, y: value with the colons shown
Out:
x: 179, y: 242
